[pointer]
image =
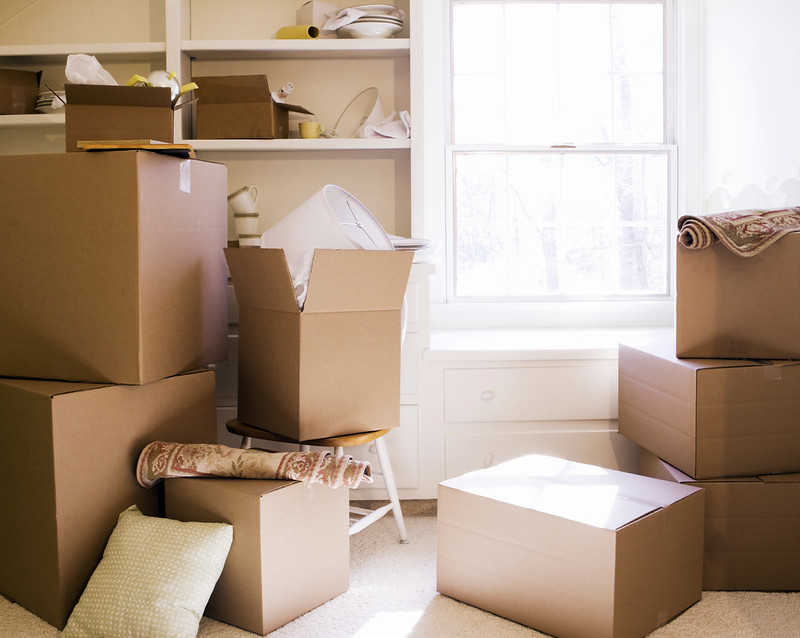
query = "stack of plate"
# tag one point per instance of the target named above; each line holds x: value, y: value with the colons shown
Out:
x: 49, y: 102
x: 379, y: 21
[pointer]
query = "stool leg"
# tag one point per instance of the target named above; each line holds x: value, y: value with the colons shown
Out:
x: 246, y: 442
x: 391, y: 488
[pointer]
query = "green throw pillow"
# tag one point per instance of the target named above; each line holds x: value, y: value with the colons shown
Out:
x: 154, y: 580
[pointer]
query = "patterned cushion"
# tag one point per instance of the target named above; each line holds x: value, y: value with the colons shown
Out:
x: 154, y: 580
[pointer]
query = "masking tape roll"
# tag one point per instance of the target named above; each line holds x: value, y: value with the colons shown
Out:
x: 298, y: 32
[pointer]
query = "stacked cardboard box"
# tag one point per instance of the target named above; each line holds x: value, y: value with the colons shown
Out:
x: 114, y: 299
x: 727, y: 420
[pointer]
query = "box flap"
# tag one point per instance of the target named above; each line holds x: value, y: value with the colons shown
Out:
x: 232, y: 89
x: 587, y: 494
x: 294, y: 108
x: 261, y: 278
x: 350, y: 280
x: 50, y: 388
x: 108, y: 95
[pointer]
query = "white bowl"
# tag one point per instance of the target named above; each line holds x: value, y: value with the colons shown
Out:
x: 368, y: 30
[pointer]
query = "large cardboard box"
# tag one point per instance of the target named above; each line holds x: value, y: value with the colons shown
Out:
x: 112, y: 267
x: 240, y: 106
x: 290, y: 552
x: 572, y: 550
x: 710, y: 417
x: 100, y: 112
x: 18, y: 91
x: 332, y: 368
x: 738, y: 307
x: 68, y: 455
x: 751, y: 528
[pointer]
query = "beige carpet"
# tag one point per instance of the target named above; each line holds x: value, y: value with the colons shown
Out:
x: 393, y: 595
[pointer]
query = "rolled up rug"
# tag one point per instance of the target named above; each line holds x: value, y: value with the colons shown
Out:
x: 744, y: 232
x: 161, y: 459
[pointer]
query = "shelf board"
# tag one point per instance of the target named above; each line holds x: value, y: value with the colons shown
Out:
x: 31, y: 120
x: 296, y: 49
x: 45, y: 53
x: 295, y: 144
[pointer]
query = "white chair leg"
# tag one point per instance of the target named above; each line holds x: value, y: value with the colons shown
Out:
x: 391, y: 488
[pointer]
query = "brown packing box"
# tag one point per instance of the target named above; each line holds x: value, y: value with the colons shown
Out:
x: 738, y: 307
x: 752, y: 526
x: 100, y: 112
x: 68, y: 454
x: 112, y: 267
x: 569, y: 549
x: 710, y: 417
x: 333, y: 368
x: 240, y: 106
x: 18, y: 91
x: 290, y: 552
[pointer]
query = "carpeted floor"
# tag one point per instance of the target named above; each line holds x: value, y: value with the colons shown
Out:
x: 393, y: 595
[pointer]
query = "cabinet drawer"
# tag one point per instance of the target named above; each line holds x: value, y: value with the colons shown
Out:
x: 547, y: 393
x: 465, y: 452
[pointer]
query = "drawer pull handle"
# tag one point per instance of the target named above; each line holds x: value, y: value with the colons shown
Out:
x: 487, y: 395
x: 488, y: 460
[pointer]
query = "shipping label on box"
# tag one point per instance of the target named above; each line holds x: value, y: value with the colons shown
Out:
x: 240, y: 107
x: 735, y: 307
x: 751, y: 530
x: 710, y: 417
x: 102, y: 113
x: 570, y: 549
x: 334, y: 367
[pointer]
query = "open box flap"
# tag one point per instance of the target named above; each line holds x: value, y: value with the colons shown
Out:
x: 587, y: 494
x: 261, y: 278
x: 353, y: 280
x: 109, y: 95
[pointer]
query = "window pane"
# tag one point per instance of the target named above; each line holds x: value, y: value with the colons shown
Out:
x: 552, y: 72
x: 539, y: 224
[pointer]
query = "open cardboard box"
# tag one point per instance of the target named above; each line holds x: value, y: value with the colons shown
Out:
x: 240, y: 106
x: 334, y: 367
x: 570, y: 549
x: 112, y: 267
x: 710, y: 417
x: 97, y: 112
x: 729, y: 306
x: 68, y: 454
x: 291, y: 546
x: 18, y: 91
x: 751, y: 530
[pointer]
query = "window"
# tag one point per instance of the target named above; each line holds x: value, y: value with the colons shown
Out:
x: 561, y: 163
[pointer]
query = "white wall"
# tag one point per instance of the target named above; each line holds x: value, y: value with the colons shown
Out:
x: 750, y: 110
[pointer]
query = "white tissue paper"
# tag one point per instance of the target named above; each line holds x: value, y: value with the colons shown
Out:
x: 378, y: 124
x: 85, y: 69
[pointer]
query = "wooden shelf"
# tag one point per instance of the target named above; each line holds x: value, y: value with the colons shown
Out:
x: 296, y: 49
x: 24, y: 55
x: 342, y: 144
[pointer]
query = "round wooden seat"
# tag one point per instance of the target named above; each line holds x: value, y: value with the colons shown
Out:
x: 235, y: 426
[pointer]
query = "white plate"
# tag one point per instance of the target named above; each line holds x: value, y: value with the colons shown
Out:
x: 368, y: 30
x: 373, y: 18
x: 377, y: 8
x: 356, y: 113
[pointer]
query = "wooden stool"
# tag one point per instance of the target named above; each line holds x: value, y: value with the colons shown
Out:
x: 360, y: 517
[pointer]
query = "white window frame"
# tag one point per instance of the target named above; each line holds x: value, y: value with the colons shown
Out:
x: 438, y: 193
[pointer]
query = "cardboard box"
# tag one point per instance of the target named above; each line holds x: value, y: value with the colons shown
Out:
x: 751, y: 528
x: 240, y: 106
x: 18, y: 91
x: 68, y: 455
x: 317, y: 13
x: 99, y: 112
x: 290, y: 552
x: 710, y: 417
x: 569, y: 549
x: 112, y: 268
x: 735, y: 307
x: 332, y: 368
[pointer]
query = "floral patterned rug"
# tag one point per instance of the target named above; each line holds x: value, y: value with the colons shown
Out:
x: 744, y: 232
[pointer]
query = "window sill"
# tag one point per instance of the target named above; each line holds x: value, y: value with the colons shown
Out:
x: 521, y: 344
